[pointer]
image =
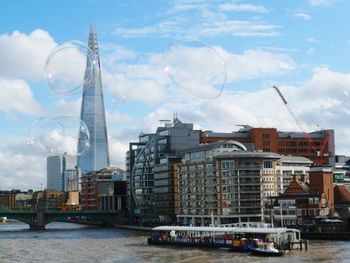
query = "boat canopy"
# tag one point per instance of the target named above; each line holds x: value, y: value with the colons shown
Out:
x: 279, y: 230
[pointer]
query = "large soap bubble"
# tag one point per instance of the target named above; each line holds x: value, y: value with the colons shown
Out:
x: 196, y: 67
x: 69, y: 67
x: 59, y: 136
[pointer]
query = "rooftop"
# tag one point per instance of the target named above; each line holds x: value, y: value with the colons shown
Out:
x: 244, y: 155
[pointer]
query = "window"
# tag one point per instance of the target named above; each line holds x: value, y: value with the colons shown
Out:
x: 316, y: 200
x: 266, y: 135
x: 267, y: 164
x: 226, y: 165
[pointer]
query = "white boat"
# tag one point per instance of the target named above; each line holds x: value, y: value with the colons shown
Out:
x: 267, y: 250
x: 3, y: 219
x: 241, y: 238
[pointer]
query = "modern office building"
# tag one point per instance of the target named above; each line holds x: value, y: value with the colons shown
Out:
x: 93, y: 114
x: 317, y: 146
x: 56, y: 167
x: 150, y: 170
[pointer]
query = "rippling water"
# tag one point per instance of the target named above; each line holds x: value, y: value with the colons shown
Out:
x: 75, y: 243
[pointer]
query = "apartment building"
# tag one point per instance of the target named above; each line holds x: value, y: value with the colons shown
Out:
x: 224, y: 183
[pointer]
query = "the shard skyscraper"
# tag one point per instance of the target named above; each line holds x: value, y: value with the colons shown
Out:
x: 93, y: 114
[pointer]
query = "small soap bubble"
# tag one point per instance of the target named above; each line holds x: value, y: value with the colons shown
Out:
x: 69, y: 68
x: 196, y: 67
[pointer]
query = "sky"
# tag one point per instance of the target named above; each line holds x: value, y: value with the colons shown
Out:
x: 213, y: 63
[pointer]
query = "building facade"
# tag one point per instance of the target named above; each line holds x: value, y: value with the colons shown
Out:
x: 99, y: 190
x: 303, y: 202
x: 8, y: 198
x: 56, y: 167
x: 317, y: 146
x: 150, y: 170
x: 341, y: 173
x: 93, y: 115
x: 290, y: 166
x: 223, y: 183
x: 49, y: 200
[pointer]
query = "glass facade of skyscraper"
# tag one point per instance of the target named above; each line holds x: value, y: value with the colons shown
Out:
x: 93, y: 114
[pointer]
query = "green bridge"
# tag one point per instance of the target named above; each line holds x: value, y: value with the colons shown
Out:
x: 37, y: 220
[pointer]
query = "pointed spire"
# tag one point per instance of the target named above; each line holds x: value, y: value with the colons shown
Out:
x: 93, y: 114
x: 93, y: 44
x: 92, y: 29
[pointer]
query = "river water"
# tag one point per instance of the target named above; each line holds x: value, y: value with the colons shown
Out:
x: 63, y: 242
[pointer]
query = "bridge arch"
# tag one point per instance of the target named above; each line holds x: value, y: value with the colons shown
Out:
x: 21, y: 219
x: 37, y: 220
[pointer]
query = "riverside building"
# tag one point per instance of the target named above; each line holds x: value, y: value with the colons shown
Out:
x: 224, y: 183
x: 288, y: 167
x: 103, y: 190
x: 303, y: 202
x: 227, y: 182
x: 150, y: 166
x: 317, y: 146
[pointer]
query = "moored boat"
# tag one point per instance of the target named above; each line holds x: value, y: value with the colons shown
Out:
x: 234, y: 238
x: 266, y: 250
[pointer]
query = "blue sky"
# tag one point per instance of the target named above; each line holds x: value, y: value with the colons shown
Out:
x: 302, y: 46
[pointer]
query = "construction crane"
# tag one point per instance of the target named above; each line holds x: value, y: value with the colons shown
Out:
x: 318, y: 160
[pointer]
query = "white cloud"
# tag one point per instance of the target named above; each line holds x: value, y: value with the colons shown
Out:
x: 242, y: 7
x: 240, y: 28
x: 208, y: 21
x: 21, y: 168
x: 303, y: 16
x: 117, y: 117
x: 112, y: 54
x: 257, y: 63
x: 24, y: 56
x: 65, y: 107
x: 312, y: 40
x: 320, y: 2
x: 144, y: 90
x: 193, y: 67
x: 17, y: 96
x: 117, y: 150
x: 320, y: 101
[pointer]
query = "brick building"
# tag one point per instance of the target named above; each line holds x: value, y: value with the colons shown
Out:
x: 303, y: 203
x: 287, y: 143
x: 103, y: 190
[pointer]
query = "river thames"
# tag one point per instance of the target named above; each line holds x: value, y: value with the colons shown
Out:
x: 63, y: 242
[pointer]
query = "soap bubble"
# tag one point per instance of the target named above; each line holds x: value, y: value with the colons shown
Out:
x: 196, y: 67
x: 59, y: 136
x: 70, y: 67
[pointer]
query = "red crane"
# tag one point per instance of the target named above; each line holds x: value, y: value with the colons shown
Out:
x: 318, y: 160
